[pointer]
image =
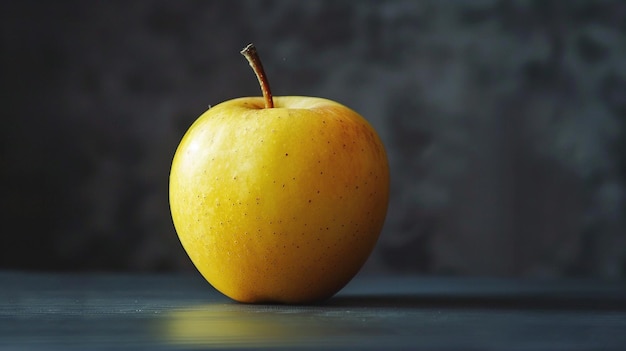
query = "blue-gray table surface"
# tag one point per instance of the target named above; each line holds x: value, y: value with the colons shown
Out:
x: 43, y: 311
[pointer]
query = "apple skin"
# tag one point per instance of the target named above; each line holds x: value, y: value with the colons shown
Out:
x: 279, y: 205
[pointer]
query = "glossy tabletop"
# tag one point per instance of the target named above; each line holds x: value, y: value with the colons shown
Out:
x: 162, y: 312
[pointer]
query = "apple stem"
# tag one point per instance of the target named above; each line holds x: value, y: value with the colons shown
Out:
x: 250, y: 53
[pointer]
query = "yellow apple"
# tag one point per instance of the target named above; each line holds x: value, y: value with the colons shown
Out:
x: 279, y: 199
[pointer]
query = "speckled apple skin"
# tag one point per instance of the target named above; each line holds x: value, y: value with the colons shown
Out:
x: 283, y: 204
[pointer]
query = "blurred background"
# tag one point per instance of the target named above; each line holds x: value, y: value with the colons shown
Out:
x: 505, y: 124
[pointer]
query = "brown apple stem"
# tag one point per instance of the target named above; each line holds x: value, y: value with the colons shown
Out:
x: 250, y: 53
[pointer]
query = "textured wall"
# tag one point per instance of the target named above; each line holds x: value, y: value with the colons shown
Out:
x: 504, y: 122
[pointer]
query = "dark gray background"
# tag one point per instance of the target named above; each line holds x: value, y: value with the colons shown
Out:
x: 504, y: 123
